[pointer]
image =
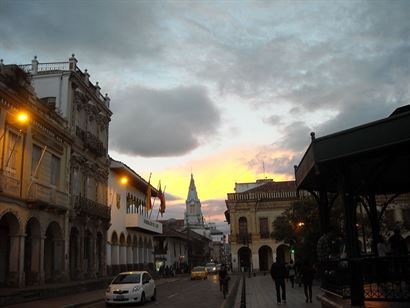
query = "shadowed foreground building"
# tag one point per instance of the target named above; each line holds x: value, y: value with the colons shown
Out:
x: 251, y: 211
x: 360, y: 165
x: 34, y: 185
x: 86, y: 112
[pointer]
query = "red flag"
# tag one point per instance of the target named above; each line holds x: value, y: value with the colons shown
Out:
x: 161, y: 197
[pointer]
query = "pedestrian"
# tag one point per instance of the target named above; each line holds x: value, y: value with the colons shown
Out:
x: 291, y: 272
x: 278, y: 273
x: 398, y: 244
x: 223, y: 274
x: 308, y: 273
x: 382, y: 247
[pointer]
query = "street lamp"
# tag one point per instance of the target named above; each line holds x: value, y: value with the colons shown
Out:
x: 22, y: 117
x: 124, y: 180
x: 300, y: 224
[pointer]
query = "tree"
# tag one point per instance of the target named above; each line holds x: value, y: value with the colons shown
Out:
x: 299, y: 227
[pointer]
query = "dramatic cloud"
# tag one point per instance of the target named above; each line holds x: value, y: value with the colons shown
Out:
x: 99, y: 30
x: 152, y: 122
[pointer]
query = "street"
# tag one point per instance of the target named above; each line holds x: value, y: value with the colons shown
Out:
x: 185, y: 293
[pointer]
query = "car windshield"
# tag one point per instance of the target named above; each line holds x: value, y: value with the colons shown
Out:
x: 210, y: 264
x: 198, y: 269
x: 127, y: 278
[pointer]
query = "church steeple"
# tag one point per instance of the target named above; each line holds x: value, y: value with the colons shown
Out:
x: 193, y: 213
x: 192, y: 194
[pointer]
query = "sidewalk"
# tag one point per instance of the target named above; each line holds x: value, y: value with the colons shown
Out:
x: 260, y: 293
x: 80, y: 299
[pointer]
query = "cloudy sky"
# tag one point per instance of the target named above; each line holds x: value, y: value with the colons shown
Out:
x: 219, y: 87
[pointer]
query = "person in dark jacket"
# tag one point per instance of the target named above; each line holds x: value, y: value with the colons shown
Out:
x: 308, y: 273
x: 278, y: 273
x: 223, y: 274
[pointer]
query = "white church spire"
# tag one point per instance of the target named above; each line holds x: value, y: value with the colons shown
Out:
x: 193, y: 213
x: 192, y: 194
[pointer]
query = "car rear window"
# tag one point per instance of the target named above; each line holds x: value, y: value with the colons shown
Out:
x: 127, y: 278
x: 198, y: 269
x: 210, y: 264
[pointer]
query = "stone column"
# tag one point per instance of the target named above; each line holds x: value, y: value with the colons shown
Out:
x: 41, y: 256
x: 80, y: 261
x: 35, y: 259
x: 108, y: 259
x: 93, y: 257
x: 15, y: 275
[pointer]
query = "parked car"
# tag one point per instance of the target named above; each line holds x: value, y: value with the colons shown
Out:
x: 130, y: 287
x: 199, y: 272
x: 211, y: 268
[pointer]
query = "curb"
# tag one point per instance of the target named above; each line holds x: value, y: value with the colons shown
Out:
x: 90, y: 302
x: 230, y: 300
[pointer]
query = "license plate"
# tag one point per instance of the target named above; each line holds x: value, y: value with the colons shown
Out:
x: 119, y: 297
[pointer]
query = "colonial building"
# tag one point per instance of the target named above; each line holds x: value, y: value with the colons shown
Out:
x: 69, y: 90
x: 34, y: 184
x: 251, y: 211
x: 171, y: 247
x: 130, y: 236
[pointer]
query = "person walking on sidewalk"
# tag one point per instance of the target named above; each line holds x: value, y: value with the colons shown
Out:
x: 278, y: 273
x: 308, y: 273
x: 291, y: 272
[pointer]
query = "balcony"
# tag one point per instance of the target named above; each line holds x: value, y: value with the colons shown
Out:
x: 92, y: 142
x: 138, y: 222
x: 264, y: 235
x: 9, y: 184
x: 89, y: 207
x: 41, y: 195
x: 244, y: 238
x: 160, y: 251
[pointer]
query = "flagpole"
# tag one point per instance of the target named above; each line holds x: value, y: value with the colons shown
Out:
x: 37, y: 167
x: 155, y: 198
x: 149, y: 183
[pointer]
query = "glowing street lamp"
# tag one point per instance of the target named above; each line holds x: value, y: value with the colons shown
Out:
x: 124, y: 180
x: 22, y: 117
x: 300, y: 224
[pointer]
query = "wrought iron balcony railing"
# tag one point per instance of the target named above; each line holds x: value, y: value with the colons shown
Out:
x: 264, y: 235
x: 91, y: 142
x: 86, y: 206
x: 160, y: 251
x: 244, y: 238
x: 384, y: 278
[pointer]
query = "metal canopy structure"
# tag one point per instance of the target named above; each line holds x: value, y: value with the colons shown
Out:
x: 358, y: 164
x: 376, y: 156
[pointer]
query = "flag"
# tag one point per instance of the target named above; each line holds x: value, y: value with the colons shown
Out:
x: 161, y: 197
x: 148, y: 204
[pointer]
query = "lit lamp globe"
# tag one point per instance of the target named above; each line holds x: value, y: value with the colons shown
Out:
x: 22, y: 117
x: 124, y: 180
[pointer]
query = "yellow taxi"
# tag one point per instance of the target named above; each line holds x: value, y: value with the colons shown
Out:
x: 199, y: 272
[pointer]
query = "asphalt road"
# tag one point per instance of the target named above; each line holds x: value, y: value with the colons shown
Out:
x: 185, y: 293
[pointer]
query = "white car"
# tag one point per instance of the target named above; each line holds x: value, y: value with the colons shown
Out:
x: 211, y: 268
x: 130, y: 287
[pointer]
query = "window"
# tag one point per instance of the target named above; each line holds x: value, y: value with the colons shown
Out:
x: 35, y: 159
x: 12, y: 149
x: 55, y: 170
x: 264, y: 227
x: 243, y: 226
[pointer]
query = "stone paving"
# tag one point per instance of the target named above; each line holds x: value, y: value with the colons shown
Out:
x: 260, y: 293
